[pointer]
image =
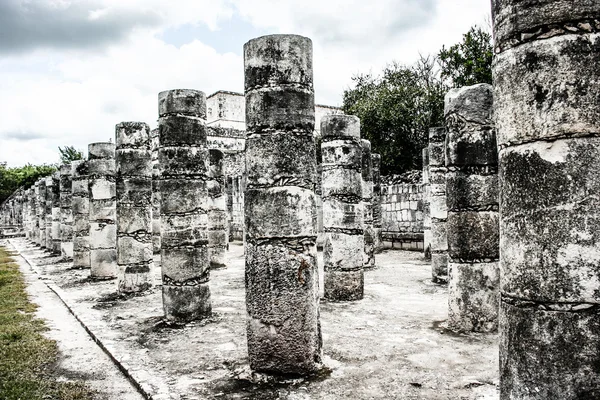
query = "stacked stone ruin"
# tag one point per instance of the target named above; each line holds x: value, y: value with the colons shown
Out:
x: 510, y: 215
x: 376, y: 202
x: 280, y: 206
x: 344, y: 243
x: 133, y: 161
x: 547, y: 114
x: 182, y: 157
x: 472, y: 202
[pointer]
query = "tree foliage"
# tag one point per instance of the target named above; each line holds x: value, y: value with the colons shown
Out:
x: 13, y: 178
x: 396, y: 111
x: 468, y: 62
x: 69, y: 153
x: 398, y: 107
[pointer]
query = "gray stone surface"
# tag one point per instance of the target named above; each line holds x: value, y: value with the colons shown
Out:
x: 56, y: 212
x: 343, y: 248
x: 102, y: 195
x: 282, y: 297
x: 546, y: 84
x: 183, y: 161
x: 48, y: 212
x: 80, y: 205
x: 426, y: 206
x: 66, y: 213
x: 367, y: 205
x: 155, y: 197
x: 218, y: 235
x: 471, y: 197
x: 377, y: 208
x: 133, y: 160
x: 41, y: 225
x: 438, y: 211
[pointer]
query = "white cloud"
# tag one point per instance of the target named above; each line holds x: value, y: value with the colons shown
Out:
x: 73, y: 96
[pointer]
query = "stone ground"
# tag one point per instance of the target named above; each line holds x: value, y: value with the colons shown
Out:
x: 391, y: 345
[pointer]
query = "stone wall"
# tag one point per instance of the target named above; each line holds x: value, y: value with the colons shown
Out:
x: 402, y: 215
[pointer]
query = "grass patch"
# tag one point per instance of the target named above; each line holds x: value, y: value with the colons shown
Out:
x: 26, y: 356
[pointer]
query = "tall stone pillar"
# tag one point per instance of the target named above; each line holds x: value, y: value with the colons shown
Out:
x: 438, y: 211
x: 66, y: 213
x: 155, y: 197
x: 56, y: 212
x: 42, y: 191
x: 48, y: 213
x: 183, y: 159
x: 282, y: 292
x: 80, y: 207
x: 343, y: 248
x: 472, y: 200
x: 426, y: 206
x: 377, y: 212
x: 102, y: 194
x: 36, y: 212
x: 218, y: 237
x: 547, y: 113
x: 28, y: 211
x: 367, y: 204
x: 133, y: 160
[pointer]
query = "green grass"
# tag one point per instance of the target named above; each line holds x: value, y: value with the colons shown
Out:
x: 26, y: 356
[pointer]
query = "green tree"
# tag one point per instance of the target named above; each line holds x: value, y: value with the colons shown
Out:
x: 468, y: 62
x: 396, y: 111
x: 13, y: 178
x: 69, y: 153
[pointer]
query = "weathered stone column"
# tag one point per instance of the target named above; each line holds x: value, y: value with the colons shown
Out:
x: 183, y: 159
x: 547, y: 113
x: 42, y: 191
x: 48, y: 212
x: 282, y: 295
x: 155, y: 198
x: 344, y: 244
x: 437, y: 205
x: 133, y: 160
x: 56, y: 212
x: 80, y: 206
x: 218, y: 237
x: 36, y: 212
x: 102, y: 194
x: 472, y: 200
x: 367, y: 204
x: 377, y: 212
x: 30, y: 212
x: 426, y: 206
x: 66, y: 213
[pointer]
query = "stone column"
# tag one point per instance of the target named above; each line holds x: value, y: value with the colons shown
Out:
x: 42, y: 191
x: 80, y: 207
x: 28, y: 210
x: 36, y: 212
x: 282, y: 292
x: 472, y: 200
x: 367, y: 204
x: 48, y: 212
x: 426, y: 206
x: 155, y: 198
x: 56, y: 212
x: 218, y: 237
x: 343, y: 225
x: 184, y: 203
x: 133, y: 160
x: 377, y: 213
x: 438, y: 211
x: 547, y: 113
x: 102, y: 194
x: 66, y: 213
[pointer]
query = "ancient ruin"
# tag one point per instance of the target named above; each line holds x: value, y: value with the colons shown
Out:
x: 367, y: 205
x: 343, y: 223
x: 102, y: 217
x: 183, y: 157
x: 547, y: 113
x: 133, y: 159
x: 218, y: 235
x: 66, y: 213
x: 472, y: 201
x: 80, y: 206
x: 282, y: 298
x: 438, y: 212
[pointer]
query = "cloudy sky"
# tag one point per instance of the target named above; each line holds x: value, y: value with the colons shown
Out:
x: 71, y: 69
